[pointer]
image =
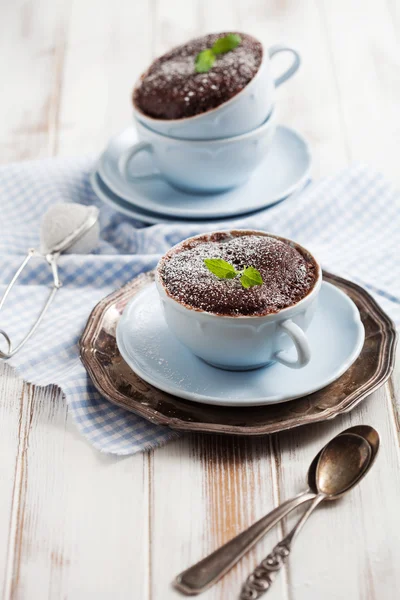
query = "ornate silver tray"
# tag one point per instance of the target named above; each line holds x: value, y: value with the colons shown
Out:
x: 120, y: 385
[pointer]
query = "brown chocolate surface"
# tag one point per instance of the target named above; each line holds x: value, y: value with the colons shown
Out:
x: 288, y: 275
x: 171, y: 88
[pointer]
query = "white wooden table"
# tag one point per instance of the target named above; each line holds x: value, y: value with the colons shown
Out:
x: 75, y: 524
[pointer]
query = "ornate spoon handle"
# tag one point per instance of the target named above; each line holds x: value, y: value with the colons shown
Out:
x: 264, y: 574
x: 203, y: 574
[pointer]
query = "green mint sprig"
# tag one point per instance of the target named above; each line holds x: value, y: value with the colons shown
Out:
x: 204, y: 61
x: 249, y: 277
x: 226, y: 44
x: 206, y: 58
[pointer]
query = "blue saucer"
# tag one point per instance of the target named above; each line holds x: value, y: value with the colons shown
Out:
x: 336, y: 337
x: 126, y: 208
x: 285, y: 169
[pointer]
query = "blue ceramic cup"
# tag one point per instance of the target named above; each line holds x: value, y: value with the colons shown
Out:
x: 199, y: 166
x: 239, y: 343
x: 246, y: 111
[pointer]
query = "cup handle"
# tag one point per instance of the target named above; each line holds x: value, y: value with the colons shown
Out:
x: 300, y: 341
x: 293, y: 67
x: 126, y: 158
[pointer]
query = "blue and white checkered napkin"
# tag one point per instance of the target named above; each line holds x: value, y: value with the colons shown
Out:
x: 351, y: 221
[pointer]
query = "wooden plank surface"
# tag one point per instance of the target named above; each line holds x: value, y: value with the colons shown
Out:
x: 365, y: 54
x: 13, y: 393
x: 76, y: 524
x: 32, y: 46
x: 79, y: 519
x: 109, y: 45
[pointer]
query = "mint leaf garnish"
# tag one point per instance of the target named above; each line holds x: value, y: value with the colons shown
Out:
x: 224, y: 270
x: 227, y: 43
x: 206, y: 58
x: 250, y: 277
x: 204, y: 61
x: 220, y: 268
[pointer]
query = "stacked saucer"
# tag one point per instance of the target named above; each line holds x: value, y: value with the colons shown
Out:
x: 285, y: 170
x: 205, y: 146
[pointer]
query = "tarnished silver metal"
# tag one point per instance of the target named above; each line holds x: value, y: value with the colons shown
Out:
x: 341, y: 465
x: 264, y: 574
x: 116, y: 381
x: 203, y: 574
x: 210, y: 569
x: 51, y: 258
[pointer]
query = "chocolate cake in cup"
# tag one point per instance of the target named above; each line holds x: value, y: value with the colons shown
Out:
x: 233, y: 97
x: 232, y: 326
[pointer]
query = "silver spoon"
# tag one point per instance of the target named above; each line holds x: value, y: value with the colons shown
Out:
x: 210, y: 569
x: 341, y: 465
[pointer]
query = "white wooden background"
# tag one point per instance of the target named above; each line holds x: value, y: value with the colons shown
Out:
x: 75, y: 524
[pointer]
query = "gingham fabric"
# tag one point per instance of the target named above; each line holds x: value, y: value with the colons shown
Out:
x: 351, y: 221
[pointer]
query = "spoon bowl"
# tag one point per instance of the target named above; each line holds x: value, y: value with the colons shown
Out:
x: 367, y: 433
x: 342, y: 464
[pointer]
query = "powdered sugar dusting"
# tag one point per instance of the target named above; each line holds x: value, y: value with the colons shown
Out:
x: 171, y: 88
x: 287, y: 274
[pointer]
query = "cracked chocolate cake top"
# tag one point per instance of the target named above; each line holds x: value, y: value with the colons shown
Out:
x: 288, y: 275
x: 172, y: 89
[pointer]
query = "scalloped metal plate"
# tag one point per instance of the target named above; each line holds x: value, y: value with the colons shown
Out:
x: 120, y: 385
